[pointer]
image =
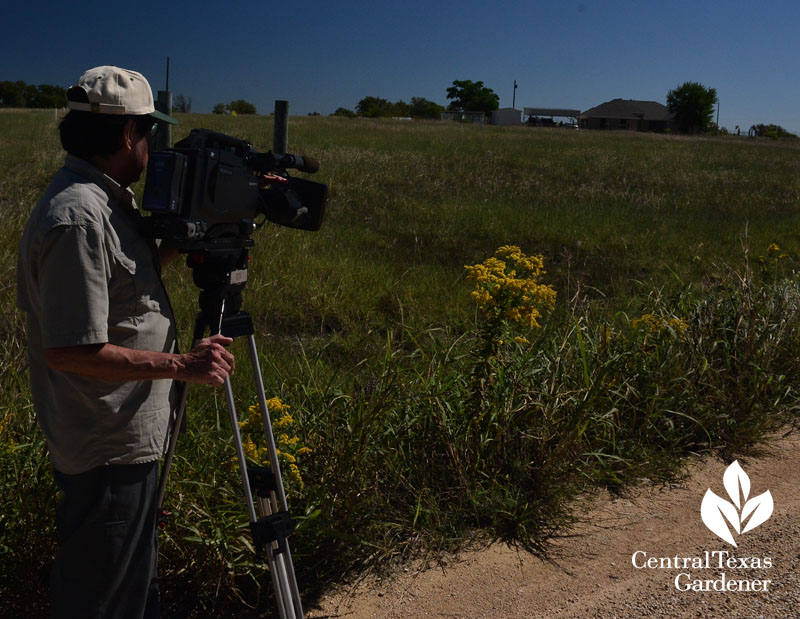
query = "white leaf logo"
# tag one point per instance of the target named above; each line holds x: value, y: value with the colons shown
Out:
x: 734, y: 479
x: 712, y: 511
x: 718, y: 514
x: 761, y: 507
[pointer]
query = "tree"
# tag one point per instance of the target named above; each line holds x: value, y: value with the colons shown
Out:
x: 771, y: 131
x: 469, y: 96
x: 343, y: 111
x: 240, y: 106
x: 693, y: 106
x: 46, y: 96
x: 182, y: 104
x: 12, y: 94
x: 20, y: 94
x: 422, y: 108
x: 219, y: 108
x: 375, y: 107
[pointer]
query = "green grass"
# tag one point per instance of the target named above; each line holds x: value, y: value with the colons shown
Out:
x: 367, y: 330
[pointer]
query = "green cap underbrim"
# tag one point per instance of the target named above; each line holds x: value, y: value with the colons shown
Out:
x: 163, y: 117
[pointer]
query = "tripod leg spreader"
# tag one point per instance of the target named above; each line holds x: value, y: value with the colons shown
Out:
x: 277, y: 526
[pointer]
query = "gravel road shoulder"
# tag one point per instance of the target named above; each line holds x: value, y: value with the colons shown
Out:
x: 591, y: 573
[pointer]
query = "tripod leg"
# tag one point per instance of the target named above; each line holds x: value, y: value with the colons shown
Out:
x: 280, y: 500
x: 281, y: 582
x: 281, y: 564
x: 173, y: 441
x: 237, y: 443
x: 180, y: 415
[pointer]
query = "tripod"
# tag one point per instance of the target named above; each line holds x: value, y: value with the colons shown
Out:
x: 221, y: 273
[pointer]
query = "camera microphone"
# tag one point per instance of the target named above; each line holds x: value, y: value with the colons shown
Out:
x: 298, y: 162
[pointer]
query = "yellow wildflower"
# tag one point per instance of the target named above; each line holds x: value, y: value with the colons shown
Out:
x: 288, y: 447
x: 250, y: 449
x: 507, y: 287
x: 284, y: 421
x: 294, y: 475
x: 657, y: 325
x: 772, y: 256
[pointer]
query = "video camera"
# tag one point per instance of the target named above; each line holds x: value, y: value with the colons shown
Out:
x: 209, y: 189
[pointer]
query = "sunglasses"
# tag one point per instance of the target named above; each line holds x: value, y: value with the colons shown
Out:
x: 145, y: 127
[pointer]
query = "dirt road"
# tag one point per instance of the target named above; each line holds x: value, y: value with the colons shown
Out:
x: 630, y: 557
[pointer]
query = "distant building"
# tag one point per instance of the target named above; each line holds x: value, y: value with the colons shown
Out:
x: 465, y: 117
x: 630, y: 115
x: 546, y: 117
x: 505, y: 116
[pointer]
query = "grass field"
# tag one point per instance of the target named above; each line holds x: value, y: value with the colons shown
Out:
x: 675, y: 330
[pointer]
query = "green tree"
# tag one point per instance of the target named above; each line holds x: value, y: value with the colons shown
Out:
x: 219, y: 108
x: 422, y: 108
x: 771, y: 131
x: 45, y: 96
x: 375, y: 107
x: 240, y: 106
x: 343, y: 111
x: 693, y: 106
x: 469, y: 96
x: 20, y: 94
x: 12, y: 94
x: 401, y: 109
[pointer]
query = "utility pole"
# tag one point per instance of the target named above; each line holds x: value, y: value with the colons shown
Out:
x: 163, y: 104
x: 514, y: 98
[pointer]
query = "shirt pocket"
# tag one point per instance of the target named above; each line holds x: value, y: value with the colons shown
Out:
x: 145, y: 286
x: 123, y: 293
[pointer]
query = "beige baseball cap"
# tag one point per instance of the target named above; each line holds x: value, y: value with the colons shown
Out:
x: 111, y: 90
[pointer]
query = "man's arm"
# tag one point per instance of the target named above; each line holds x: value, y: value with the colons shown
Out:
x: 208, y: 363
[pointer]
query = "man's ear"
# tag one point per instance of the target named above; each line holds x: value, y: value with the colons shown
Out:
x: 129, y: 137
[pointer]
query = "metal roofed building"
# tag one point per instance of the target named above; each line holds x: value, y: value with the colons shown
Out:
x: 544, y: 116
x: 630, y: 115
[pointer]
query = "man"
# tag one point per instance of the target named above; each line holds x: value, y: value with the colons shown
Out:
x: 101, y: 347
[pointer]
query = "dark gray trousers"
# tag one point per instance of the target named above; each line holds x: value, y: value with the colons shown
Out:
x: 106, y: 564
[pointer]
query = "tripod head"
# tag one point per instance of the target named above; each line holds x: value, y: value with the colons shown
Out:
x: 220, y: 272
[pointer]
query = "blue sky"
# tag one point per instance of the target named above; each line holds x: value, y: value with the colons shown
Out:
x: 325, y: 55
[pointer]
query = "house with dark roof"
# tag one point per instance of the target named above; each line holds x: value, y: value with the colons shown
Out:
x: 630, y: 115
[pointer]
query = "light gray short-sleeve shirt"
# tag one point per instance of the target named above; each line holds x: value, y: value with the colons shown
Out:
x: 85, y: 275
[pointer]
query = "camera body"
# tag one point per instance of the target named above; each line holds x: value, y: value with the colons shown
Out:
x: 210, y: 185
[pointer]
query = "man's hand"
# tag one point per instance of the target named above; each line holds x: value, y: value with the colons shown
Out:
x: 208, y: 363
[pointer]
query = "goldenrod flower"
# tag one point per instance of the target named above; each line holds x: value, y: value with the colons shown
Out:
x: 507, y: 287
x: 772, y: 256
x: 288, y: 447
x: 658, y: 325
x: 284, y: 421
